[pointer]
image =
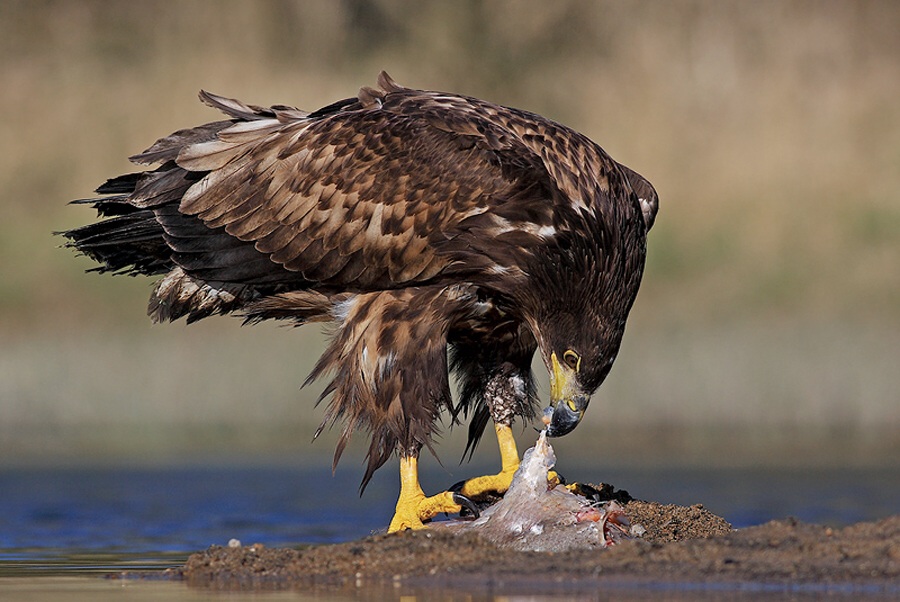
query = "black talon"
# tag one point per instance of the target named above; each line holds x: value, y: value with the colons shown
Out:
x: 466, y: 503
x: 456, y: 487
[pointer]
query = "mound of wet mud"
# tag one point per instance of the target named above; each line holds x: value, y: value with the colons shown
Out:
x: 680, y: 545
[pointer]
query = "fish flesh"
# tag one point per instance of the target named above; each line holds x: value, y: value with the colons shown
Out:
x: 537, y: 513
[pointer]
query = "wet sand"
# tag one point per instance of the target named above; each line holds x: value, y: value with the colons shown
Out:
x: 680, y: 547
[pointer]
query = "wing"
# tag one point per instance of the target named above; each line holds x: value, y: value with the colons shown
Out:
x: 367, y: 194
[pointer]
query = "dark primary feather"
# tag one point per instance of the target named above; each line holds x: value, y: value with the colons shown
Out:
x: 415, y: 221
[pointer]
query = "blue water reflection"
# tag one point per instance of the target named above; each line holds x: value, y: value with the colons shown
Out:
x: 181, y: 509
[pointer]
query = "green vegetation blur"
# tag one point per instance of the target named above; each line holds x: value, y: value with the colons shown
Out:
x: 768, y: 323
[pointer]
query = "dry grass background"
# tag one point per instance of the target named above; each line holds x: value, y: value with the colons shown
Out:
x: 769, y: 318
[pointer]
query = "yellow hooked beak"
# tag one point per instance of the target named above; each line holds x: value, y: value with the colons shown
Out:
x: 566, y: 398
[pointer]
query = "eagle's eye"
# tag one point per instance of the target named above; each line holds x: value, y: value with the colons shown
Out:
x: 572, y: 359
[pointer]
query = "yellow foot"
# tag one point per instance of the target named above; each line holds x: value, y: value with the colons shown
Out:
x: 479, y: 487
x: 415, y: 509
x: 554, y: 479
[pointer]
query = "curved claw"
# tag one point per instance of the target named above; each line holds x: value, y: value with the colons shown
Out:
x: 465, y: 502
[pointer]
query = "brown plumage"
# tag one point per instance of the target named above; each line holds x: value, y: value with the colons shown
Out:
x: 421, y: 224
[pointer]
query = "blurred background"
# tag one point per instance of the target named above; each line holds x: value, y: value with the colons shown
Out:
x: 767, y: 330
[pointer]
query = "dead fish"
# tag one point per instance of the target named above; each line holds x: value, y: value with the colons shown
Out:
x: 539, y: 514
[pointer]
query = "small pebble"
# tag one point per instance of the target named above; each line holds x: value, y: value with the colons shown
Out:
x: 234, y: 543
x: 637, y: 530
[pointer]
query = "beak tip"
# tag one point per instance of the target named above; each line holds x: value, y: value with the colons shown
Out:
x: 563, y: 421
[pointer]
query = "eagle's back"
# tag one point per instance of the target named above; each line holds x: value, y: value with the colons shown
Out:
x: 392, y: 189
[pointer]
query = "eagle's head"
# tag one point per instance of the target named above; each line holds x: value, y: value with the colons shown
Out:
x: 587, y: 282
x: 579, y: 353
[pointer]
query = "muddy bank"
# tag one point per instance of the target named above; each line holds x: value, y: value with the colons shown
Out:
x: 678, y: 545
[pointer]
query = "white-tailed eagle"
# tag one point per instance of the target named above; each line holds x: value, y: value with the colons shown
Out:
x: 438, y: 233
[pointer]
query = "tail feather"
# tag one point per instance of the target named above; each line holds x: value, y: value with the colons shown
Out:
x: 142, y: 230
x: 124, y: 184
x: 128, y: 243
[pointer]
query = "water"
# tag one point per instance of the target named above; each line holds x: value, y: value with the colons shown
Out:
x: 64, y: 522
x: 182, y: 509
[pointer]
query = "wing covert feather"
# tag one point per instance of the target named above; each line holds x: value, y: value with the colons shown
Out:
x: 362, y: 198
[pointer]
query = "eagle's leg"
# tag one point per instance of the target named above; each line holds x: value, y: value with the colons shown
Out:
x: 506, y: 395
x: 413, y: 508
x: 477, y: 487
